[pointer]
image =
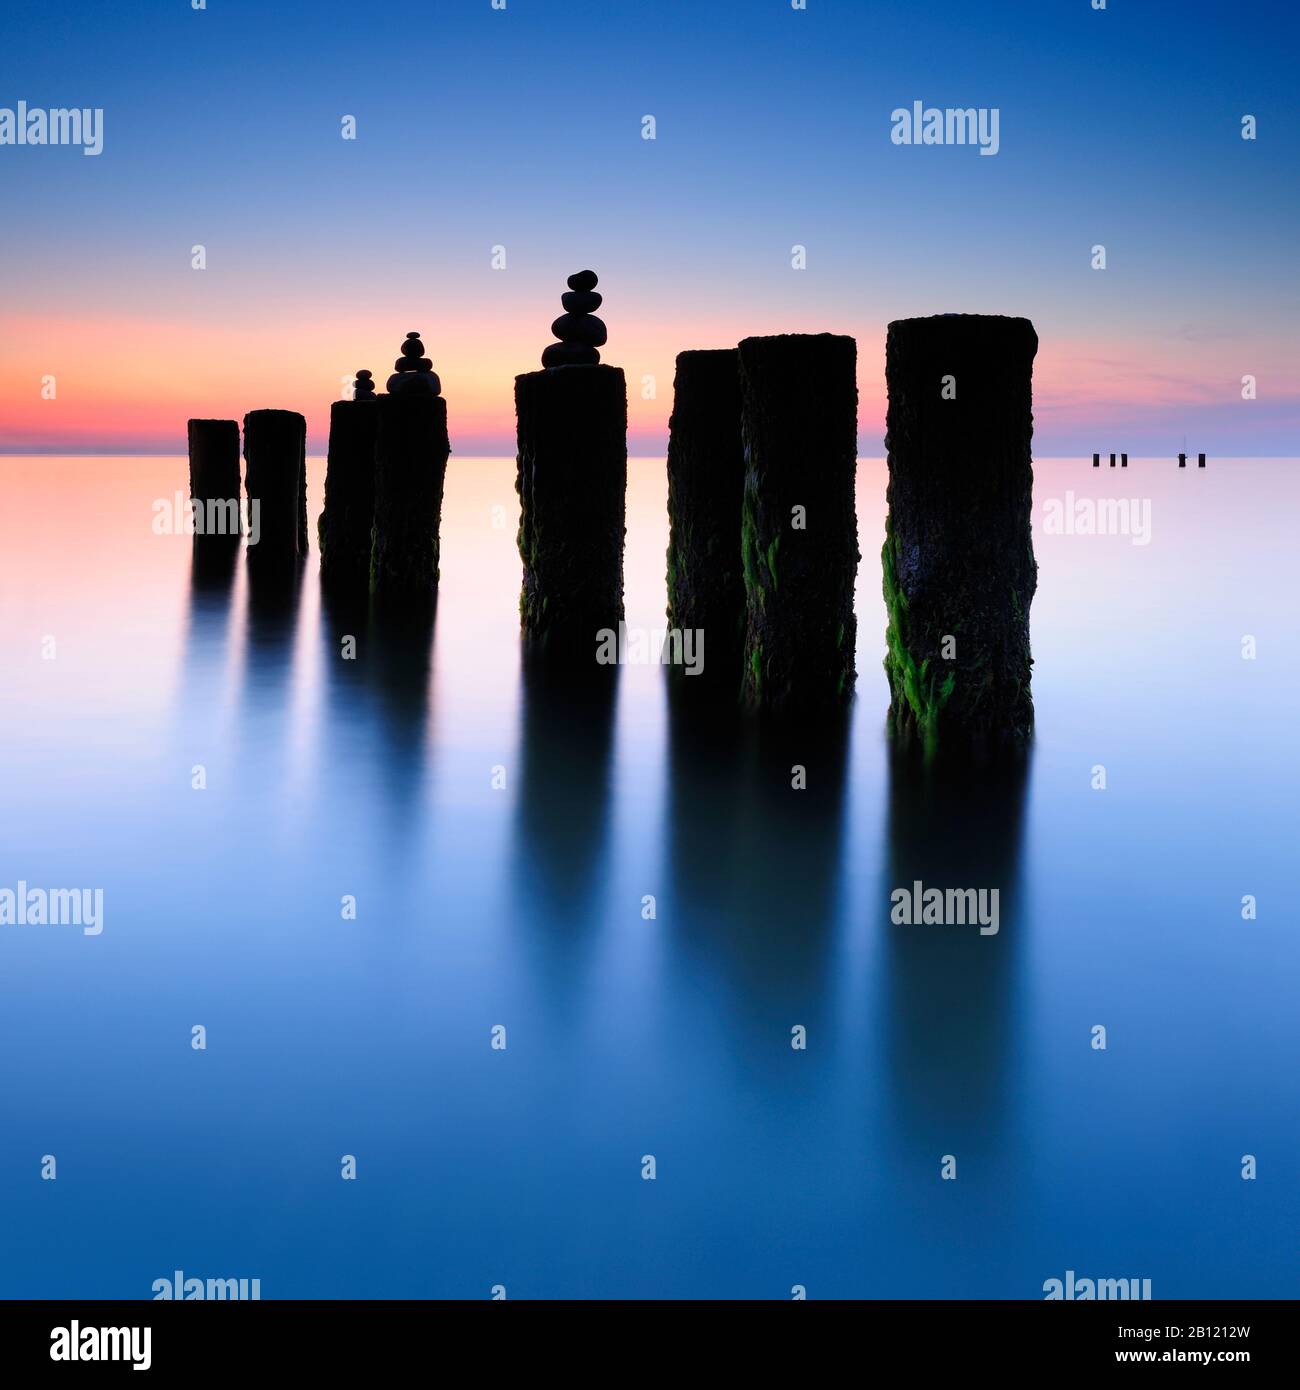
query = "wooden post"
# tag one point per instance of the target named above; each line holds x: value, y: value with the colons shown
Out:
x: 214, y: 465
x: 274, y: 453
x: 572, y: 485
x: 799, y: 527
x: 345, y: 525
x: 958, y: 559
x: 411, y: 451
x: 706, y: 482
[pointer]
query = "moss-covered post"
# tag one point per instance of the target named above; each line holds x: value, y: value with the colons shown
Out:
x: 214, y: 469
x: 706, y: 481
x: 274, y: 450
x: 572, y: 483
x: 344, y: 527
x: 799, y: 525
x: 958, y: 559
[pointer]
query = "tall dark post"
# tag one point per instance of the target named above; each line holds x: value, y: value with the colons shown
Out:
x: 572, y: 482
x: 214, y: 460
x: 345, y: 525
x: 411, y: 451
x: 706, y: 482
x: 274, y: 452
x: 799, y: 525
x: 958, y: 559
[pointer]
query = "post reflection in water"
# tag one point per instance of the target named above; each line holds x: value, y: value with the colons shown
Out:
x: 562, y: 817
x: 214, y: 563
x: 948, y: 992
x: 753, y: 843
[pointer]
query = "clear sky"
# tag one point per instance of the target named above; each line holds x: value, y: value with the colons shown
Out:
x: 522, y: 128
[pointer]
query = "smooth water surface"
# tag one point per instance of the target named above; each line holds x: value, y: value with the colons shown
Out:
x: 126, y: 670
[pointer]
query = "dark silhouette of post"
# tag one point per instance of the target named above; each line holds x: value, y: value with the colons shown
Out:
x: 346, y: 523
x: 1200, y: 460
x: 1112, y: 460
x: 411, y: 451
x: 572, y: 483
x: 1096, y: 460
x: 958, y: 558
x: 214, y: 460
x: 274, y: 454
x: 1123, y: 460
x: 798, y: 523
x: 1182, y: 460
x: 706, y: 481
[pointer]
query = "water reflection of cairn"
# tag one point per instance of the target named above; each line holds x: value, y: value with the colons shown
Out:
x: 580, y: 332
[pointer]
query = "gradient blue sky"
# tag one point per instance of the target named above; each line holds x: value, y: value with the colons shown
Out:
x: 522, y: 128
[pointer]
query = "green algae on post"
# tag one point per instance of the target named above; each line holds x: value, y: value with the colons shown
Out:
x: 706, y: 475
x: 958, y: 559
x: 798, y: 523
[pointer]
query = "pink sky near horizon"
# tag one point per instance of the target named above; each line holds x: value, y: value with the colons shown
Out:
x: 127, y: 383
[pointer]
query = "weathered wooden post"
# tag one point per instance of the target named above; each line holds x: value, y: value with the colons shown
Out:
x: 799, y: 526
x: 411, y: 451
x: 958, y: 559
x: 706, y: 481
x: 214, y: 473
x: 274, y: 454
x: 345, y: 525
x: 572, y: 482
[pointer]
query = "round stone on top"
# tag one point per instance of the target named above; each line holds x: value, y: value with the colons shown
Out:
x: 584, y: 280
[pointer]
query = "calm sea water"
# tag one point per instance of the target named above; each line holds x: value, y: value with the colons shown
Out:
x: 522, y: 906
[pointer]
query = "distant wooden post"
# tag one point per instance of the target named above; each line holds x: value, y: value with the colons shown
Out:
x: 214, y: 459
x: 706, y: 481
x: 799, y: 528
x: 274, y: 453
x: 347, y: 521
x: 958, y: 559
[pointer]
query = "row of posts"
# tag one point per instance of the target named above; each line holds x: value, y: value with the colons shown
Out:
x: 763, y: 552
x: 383, y: 490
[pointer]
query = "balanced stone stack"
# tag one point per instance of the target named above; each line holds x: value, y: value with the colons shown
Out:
x: 572, y: 483
x: 214, y: 471
x: 413, y: 373
x: 958, y: 559
x: 798, y: 523
x: 345, y: 525
x: 275, y: 480
x: 411, y: 451
x: 706, y: 480
x: 579, y: 331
